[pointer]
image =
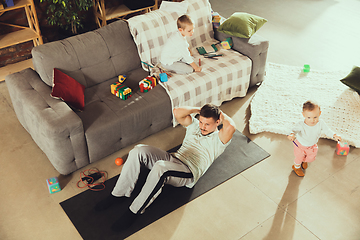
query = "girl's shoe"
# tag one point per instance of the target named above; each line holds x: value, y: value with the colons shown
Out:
x: 298, y: 171
x: 304, y: 165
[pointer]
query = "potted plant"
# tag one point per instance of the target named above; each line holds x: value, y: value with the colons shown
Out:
x: 67, y: 13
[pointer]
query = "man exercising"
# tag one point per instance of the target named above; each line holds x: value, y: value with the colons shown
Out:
x: 202, y: 144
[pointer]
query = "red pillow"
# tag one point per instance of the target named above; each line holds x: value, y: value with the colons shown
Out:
x: 68, y: 89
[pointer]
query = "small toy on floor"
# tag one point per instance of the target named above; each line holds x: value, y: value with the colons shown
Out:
x: 119, y: 161
x: 53, y: 185
x: 306, y: 68
x: 342, y: 148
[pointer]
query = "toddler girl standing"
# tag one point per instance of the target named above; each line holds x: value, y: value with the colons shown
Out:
x: 305, y: 135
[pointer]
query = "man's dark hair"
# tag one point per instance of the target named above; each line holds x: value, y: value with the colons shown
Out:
x: 210, y: 111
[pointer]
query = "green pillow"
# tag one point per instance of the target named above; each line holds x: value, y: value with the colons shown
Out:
x: 353, y: 79
x: 242, y: 25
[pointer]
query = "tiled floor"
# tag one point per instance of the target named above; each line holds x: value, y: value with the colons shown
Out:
x: 266, y: 201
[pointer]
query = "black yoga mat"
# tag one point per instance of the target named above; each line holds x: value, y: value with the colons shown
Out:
x: 241, y: 154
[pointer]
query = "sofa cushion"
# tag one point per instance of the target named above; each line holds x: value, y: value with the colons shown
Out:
x: 352, y: 80
x: 121, y: 47
x: 68, y: 89
x: 242, y: 25
x: 119, y: 123
x: 90, y: 58
x: 179, y: 7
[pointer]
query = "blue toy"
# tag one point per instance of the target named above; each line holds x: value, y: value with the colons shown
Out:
x: 163, y: 77
x: 53, y: 185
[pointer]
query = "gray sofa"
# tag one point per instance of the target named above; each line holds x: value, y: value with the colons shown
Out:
x: 72, y: 139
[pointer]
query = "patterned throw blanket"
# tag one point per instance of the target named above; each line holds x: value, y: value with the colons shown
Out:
x: 220, y: 80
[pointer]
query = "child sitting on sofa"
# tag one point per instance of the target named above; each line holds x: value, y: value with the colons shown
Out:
x: 305, y: 135
x: 176, y: 55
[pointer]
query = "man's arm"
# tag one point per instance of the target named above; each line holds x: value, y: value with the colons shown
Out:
x: 182, y: 114
x: 228, y: 129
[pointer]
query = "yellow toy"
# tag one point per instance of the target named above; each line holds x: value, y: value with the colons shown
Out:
x: 122, y: 78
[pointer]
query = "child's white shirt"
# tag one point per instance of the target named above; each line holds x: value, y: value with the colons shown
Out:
x: 175, y: 49
x: 309, y: 135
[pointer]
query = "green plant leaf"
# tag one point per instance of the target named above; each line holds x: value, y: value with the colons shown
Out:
x: 66, y: 13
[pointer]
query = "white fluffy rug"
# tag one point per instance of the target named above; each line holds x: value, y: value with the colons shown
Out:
x: 277, y: 104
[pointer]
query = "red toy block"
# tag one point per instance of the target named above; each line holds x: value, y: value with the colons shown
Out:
x: 342, y: 148
x: 147, y: 84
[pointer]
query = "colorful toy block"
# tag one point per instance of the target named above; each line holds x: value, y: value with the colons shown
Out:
x: 147, y: 84
x: 227, y: 43
x: 342, y: 148
x: 216, y: 18
x: 306, y: 68
x: 53, y: 185
x: 122, y: 78
x: 216, y: 21
x: 121, y: 91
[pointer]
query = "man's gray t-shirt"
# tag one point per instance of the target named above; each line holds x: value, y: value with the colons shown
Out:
x: 198, y: 152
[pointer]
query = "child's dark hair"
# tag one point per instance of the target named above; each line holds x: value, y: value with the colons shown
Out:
x: 184, y: 21
x: 210, y: 111
x: 310, y: 106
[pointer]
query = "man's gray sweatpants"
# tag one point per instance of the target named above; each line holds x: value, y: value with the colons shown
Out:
x: 164, y: 169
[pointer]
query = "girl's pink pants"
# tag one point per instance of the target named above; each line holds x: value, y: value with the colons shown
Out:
x: 304, y: 154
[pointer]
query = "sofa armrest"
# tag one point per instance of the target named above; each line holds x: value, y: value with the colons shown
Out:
x: 255, y: 48
x: 55, y: 128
